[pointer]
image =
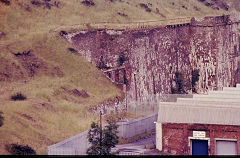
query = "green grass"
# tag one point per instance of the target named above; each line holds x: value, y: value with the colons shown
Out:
x: 49, y: 114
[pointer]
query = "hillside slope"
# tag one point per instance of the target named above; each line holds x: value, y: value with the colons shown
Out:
x: 38, y: 63
x: 52, y: 78
x: 24, y: 17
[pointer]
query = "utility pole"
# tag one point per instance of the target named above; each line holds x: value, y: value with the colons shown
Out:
x: 100, y: 132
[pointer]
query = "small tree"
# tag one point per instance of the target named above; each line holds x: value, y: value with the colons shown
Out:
x: 102, y: 140
x: 110, y: 138
x: 94, y: 140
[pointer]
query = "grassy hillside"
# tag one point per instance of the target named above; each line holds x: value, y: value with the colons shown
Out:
x: 24, y: 17
x: 53, y: 111
x: 39, y: 65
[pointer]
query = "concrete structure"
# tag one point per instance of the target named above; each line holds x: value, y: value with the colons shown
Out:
x: 205, y: 124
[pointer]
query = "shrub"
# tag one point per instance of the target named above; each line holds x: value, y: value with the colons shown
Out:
x: 145, y: 7
x: 182, y: 85
x: 35, y: 2
x: 1, y: 118
x: 62, y: 33
x: 208, y: 4
x: 6, y: 2
x: 88, y: 3
x: 16, y: 149
x: 72, y: 50
x: 122, y: 14
x: 121, y: 59
x: 18, y: 96
x: 102, y: 64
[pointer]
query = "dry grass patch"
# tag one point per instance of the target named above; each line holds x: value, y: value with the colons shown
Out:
x: 45, y: 118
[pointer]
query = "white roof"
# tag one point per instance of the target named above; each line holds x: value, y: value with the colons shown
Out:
x: 203, y: 110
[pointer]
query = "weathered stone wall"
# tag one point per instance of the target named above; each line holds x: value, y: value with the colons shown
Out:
x: 153, y: 56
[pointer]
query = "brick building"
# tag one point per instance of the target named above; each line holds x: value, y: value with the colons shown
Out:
x: 202, y: 125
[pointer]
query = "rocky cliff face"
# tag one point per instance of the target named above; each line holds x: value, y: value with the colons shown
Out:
x: 150, y: 58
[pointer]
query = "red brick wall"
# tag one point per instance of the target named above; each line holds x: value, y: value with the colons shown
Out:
x: 175, y: 136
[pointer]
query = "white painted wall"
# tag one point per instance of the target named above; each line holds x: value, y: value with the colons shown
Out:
x: 159, y: 136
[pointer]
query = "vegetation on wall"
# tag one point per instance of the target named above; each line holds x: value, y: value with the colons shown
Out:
x: 195, y: 78
x: 101, y: 64
x: 182, y: 84
x: 121, y: 59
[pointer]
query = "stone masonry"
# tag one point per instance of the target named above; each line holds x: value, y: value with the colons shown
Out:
x: 152, y: 56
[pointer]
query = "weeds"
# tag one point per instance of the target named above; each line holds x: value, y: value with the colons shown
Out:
x: 122, y: 14
x: 88, y: 3
x: 145, y: 7
x: 45, y: 3
x: 18, y: 96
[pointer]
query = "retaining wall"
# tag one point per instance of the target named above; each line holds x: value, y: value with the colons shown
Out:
x: 154, y: 55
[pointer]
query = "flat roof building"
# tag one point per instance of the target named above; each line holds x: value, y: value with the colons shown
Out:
x: 202, y: 125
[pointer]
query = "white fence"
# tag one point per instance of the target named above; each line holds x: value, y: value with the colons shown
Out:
x: 150, y: 105
x: 135, y: 127
x: 77, y: 145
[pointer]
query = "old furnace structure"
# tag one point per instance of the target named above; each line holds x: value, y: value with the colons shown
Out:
x: 149, y: 57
